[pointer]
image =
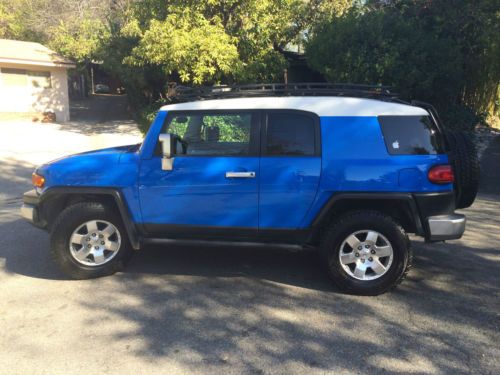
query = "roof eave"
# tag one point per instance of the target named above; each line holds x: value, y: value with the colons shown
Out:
x: 55, y: 64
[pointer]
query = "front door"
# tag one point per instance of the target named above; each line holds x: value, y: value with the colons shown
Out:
x: 212, y: 190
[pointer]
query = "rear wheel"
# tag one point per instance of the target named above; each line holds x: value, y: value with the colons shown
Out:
x: 366, y: 253
x: 88, y: 240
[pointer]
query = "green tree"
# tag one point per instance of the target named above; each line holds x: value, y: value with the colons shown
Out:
x: 41, y: 20
x: 79, y: 41
x: 198, y: 49
x: 442, y: 52
x: 219, y: 40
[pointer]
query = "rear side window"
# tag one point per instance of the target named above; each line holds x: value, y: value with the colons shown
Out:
x: 410, y: 135
x: 290, y: 134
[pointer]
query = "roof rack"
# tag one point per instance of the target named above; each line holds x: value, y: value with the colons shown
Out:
x: 186, y: 93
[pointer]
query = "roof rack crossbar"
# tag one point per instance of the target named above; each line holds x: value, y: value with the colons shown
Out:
x: 185, y: 93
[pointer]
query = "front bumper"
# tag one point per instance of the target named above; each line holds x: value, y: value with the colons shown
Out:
x: 29, y: 209
x: 446, y: 227
x: 28, y: 212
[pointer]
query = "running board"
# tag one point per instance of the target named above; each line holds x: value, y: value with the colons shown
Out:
x: 183, y: 241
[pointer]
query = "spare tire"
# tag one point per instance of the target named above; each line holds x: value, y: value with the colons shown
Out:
x: 463, y: 158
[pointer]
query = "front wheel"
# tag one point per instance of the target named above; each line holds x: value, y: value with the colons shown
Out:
x: 366, y: 253
x: 88, y: 240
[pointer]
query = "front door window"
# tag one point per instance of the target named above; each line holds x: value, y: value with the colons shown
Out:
x: 213, y: 134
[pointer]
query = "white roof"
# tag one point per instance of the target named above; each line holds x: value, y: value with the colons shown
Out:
x: 321, y: 105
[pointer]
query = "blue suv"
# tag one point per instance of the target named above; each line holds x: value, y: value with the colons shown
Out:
x: 347, y: 176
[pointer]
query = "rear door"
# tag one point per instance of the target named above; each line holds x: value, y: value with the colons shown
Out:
x: 290, y: 168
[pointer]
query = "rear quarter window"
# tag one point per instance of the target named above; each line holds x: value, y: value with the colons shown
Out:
x: 410, y: 135
x: 290, y: 134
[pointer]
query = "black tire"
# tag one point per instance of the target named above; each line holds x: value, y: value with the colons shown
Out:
x: 67, y: 222
x: 463, y: 158
x: 366, y: 220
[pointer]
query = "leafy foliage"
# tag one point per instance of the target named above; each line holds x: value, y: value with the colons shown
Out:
x: 40, y: 20
x: 218, y: 40
x: 445, y: 53
x: 199, y: 50
x: 79, y: 41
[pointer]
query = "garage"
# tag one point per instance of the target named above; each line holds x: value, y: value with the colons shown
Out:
x: 33, y: 80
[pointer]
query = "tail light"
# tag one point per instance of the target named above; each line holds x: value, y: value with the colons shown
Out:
x: 37, y: 180
x: 441, y: 174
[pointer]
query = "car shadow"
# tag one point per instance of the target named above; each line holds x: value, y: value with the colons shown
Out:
x: 26, y: 252
x: 299, y: 268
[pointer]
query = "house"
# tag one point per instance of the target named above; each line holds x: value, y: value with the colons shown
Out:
x: 33, y: 79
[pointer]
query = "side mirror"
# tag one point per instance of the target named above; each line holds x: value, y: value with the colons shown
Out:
x: 167, y: 161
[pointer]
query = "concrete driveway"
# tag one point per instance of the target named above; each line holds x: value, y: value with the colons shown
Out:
x: 230, y: 311
x: 26, y: 144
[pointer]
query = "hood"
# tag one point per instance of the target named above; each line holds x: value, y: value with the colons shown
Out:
x: 86, y: 168
x: 119, y: 150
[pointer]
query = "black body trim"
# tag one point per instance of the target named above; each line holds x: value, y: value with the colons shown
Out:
x: 420, y: 206
x: 31, y: 200
x: 115, y: 193
x: 434, y: 204
x: 201, y: 242
x: 405, y: 197
x: 234, y: 234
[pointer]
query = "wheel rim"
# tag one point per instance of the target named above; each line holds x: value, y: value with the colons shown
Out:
x: 366, y: 255
x: 95, y: 243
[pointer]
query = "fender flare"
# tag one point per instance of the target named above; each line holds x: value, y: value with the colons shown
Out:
x: 113, y: 192
x: 407, y: 198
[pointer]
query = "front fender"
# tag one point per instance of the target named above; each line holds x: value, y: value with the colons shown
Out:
x: 53, y: 201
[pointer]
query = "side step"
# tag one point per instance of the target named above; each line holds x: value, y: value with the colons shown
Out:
x: 182, y: 241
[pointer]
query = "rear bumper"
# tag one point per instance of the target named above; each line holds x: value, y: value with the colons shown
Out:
x: 446, y: 227
x: 437, y: 214
x: 29, y: 209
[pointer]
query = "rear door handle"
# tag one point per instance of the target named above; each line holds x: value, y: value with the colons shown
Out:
x: 240, y: 174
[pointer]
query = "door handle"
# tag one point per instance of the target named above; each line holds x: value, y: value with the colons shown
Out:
x: 240, y: 174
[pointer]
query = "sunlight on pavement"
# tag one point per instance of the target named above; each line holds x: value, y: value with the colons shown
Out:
x: 37, y: 143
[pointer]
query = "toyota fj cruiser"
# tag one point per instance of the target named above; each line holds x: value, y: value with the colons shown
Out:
x: 348, y: 171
